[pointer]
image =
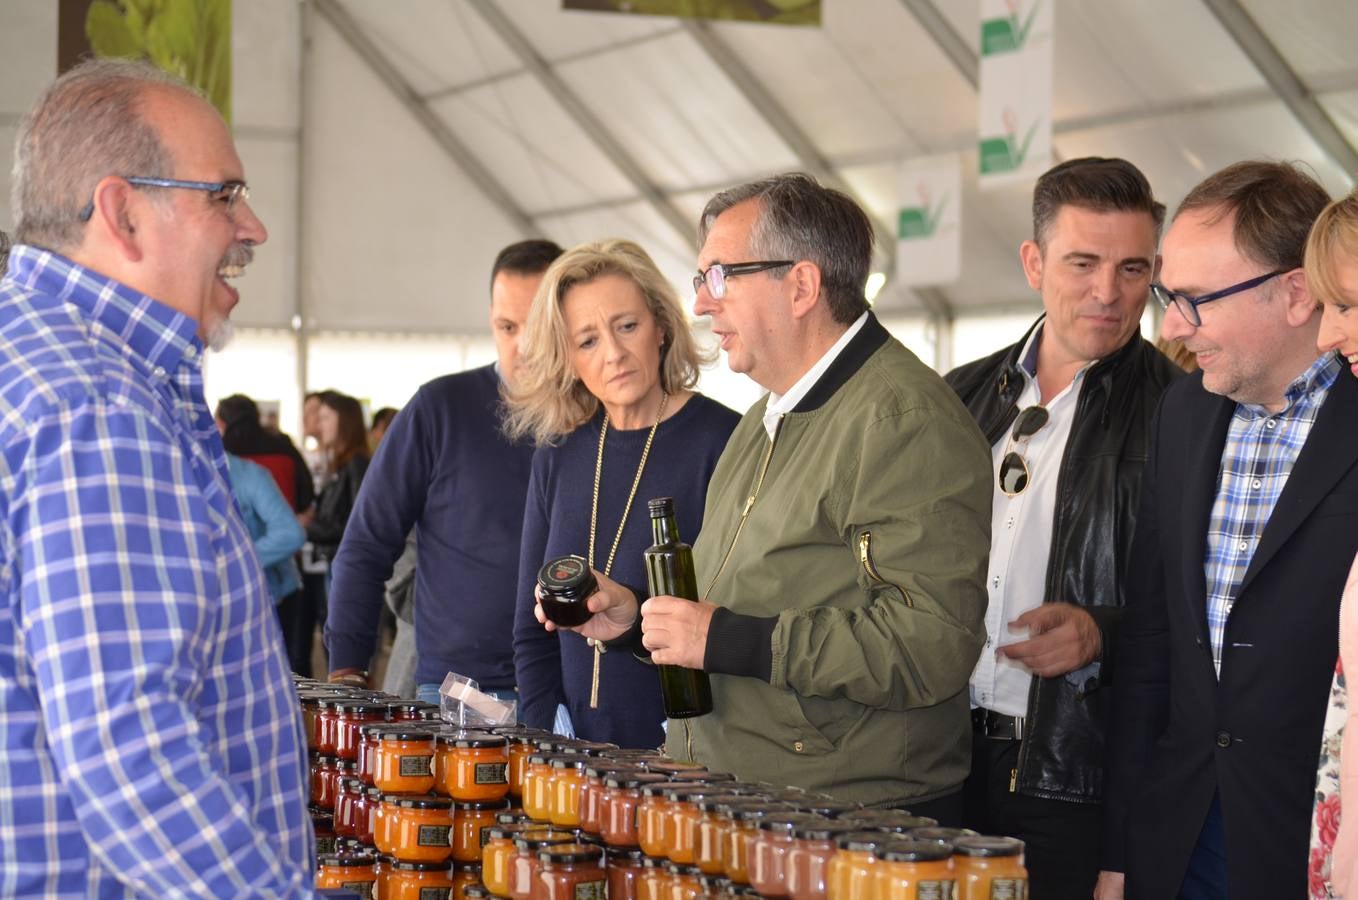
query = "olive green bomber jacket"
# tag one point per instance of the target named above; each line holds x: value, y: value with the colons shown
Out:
x: 852, y: 594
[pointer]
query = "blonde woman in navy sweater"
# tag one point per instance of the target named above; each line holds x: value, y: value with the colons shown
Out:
x: 606, y: 393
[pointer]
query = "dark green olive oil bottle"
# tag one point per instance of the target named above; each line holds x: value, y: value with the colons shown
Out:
x: 669, y: 570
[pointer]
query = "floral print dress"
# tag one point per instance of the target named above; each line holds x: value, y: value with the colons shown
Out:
x: 1325, y: 815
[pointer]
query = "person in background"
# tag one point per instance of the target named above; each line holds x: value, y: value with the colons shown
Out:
x: 842, y: 556
x: 4, y: 253
x: 1067, y: 410
x: 606, y: 392
x: 151, y: 743
x: 339, y: 424
x: 274, y: 529
x: 381, y: 420
x: 446, y: 470
x: 1245, y: 534
x: 313, y: 450
x: 244, y: 435
x: 1332, y: 275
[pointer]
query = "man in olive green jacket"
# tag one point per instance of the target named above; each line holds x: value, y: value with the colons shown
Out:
x: 843, y: 551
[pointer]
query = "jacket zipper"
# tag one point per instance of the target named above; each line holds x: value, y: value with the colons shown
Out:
x: 865, y: 557
x: 749, y: 505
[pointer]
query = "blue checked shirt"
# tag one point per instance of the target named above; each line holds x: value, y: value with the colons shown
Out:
x: 152, y: 741
x: 1261, y: 448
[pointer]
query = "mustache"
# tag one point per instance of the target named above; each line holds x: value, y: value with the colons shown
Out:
x: 239, y: 255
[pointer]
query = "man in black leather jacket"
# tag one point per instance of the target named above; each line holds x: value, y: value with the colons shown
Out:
x: 1067, y: 411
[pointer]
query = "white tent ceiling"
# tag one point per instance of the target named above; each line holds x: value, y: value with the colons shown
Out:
x: 394, y: 145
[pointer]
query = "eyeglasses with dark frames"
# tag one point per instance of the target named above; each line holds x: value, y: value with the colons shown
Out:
x: 1014, y: 476
x: 232, y: 191
x: 1188, y: 306
x: 715, y: 275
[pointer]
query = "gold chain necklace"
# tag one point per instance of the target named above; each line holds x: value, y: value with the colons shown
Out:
x: 617, y: 538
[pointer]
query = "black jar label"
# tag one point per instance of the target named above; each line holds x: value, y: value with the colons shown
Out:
x: 1008, y: 889
x: 935, y: 890
x: 434, y: 836
x: 436, y: 893
x: 492, y: 773
x: 485, y: 835
x: 416, y: 766
x: 590, y: 890
x: 363, y: 888
x: 325, y: 845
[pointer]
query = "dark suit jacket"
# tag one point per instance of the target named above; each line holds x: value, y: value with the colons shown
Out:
x: 1179, y: 735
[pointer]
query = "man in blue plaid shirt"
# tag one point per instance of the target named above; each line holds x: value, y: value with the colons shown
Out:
x: 150, y: 739
x: 1247, y: 525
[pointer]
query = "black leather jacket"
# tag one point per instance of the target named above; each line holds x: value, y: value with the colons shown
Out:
x: 334, y: 505
x: 1097, y: 491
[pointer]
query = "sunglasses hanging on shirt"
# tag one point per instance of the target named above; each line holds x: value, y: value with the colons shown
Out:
x: 1013, y: 467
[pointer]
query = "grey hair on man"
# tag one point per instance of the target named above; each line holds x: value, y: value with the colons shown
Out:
x: 85, y: 126
x: 799, y: 219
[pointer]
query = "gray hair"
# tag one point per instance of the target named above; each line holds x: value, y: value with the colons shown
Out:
x: 86, y: 126
x: 799, y: 219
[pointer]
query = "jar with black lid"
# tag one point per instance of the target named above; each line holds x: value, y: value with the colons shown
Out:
x: 565, y: 584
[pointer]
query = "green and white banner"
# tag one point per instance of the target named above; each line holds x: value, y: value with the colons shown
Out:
x: 929, y: 222
x: 1016, y: 89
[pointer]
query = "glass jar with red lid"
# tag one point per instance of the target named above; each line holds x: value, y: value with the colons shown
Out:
x: 571, y: 872
x: 351, y: 714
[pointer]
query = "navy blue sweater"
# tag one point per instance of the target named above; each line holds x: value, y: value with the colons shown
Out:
x: 446, y: 467
x: 556, y: 667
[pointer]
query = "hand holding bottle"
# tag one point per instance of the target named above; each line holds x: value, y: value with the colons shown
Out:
x: 675, y: 630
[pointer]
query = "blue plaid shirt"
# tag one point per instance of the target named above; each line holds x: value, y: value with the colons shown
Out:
x: 152, y: 741
x: 1261, y: 448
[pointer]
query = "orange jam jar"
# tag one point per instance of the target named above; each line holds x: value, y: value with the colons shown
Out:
x: 565, y: 790
x: 712, y: 827
x: 472, y: 766
x: 624, y: 871
x: 416, y: 881
x: 525, y: 867
x: 913, y: 870
x: 346, y: 872
x: 685, y: 817
x: 404, y: 761
x: 655, y: 816
x: 498, y: 853
x: 571, y: 872
x: 351, y: 714
x: 520, y: 747
x: 536, y: 777
x: 768, y: 855
x: 592, y: 796
x: 384, y: 824
x: 367, y: 749
x: 471, y: 829
x: 654, y: 882
x: 808, y: 862
x: 422, y: 829
x: 464, y: 879
x: 324, y: 781
x: 683, y: 881
x: 849, y: 876
x: 621, y: 804
x: 989, y: 867
x: 738, y: 841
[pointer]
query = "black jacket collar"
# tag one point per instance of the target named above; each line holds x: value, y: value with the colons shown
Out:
x: 868, y: 340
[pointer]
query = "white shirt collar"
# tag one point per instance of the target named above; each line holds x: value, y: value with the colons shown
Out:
x: 786, y: 403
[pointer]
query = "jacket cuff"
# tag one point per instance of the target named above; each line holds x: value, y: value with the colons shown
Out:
x: 631, y: 638
x: 740, y: 645
x: 1108, y: 618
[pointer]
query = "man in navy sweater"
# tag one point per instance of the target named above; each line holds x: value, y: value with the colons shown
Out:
x: 446, y: 469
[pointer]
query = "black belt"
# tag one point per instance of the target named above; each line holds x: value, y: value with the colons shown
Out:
x: 996, y: 727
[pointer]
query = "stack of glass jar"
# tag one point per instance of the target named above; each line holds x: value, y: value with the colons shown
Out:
x: 408, y: 807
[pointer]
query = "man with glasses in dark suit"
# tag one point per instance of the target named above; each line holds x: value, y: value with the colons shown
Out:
x: 1248, y: 521
x: 1067, y: 411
